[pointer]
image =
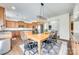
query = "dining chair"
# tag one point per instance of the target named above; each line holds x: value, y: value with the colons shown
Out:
x: 30, y: 46
x: 51, y: 41
x: 23, y: 35
x: 55, y: 37
x: 47, y: 44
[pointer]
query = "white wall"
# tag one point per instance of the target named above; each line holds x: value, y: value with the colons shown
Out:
x: 53, y: 22
x: 62, y: 25
x: 76, y: 18
x: 76, y: 27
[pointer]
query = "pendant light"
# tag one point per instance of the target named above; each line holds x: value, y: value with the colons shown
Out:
x: 40, y: 18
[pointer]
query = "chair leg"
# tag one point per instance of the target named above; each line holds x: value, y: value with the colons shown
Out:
x: 55, y: 51
x: 24, y: 52
x: 51, y: 45
x: 29, y: 53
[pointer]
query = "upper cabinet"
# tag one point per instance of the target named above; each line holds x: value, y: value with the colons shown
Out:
x: 1, y: 13
x: 26, y: 25
x: 11, y: 24
x: 2, y: 22
x: 18, y: 24
x: 21, y: 24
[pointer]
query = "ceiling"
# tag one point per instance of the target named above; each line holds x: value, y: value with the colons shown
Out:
x: 31, y: 10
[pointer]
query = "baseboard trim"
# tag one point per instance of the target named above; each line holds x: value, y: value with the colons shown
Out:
x: 64, y: 40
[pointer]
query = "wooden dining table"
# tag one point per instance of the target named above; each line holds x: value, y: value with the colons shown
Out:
x: 38, y: 38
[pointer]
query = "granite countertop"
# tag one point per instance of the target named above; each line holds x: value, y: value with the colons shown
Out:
x: 5, y: 35
x: 19, y: 29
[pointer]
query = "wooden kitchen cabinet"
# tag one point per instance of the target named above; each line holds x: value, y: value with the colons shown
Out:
x: 2, y: 11
x: 21, y: 24
x: 24, y: 25
x: 30, y: 25
x: 15, y: 34
x: 11, y: 24
x: 34, y: 24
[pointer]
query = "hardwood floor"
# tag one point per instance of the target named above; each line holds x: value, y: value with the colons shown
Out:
x: 16, y: 50
x: 73, y: 47
x: 69, y: 48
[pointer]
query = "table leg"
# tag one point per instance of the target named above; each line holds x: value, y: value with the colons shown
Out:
x: 39, y: 48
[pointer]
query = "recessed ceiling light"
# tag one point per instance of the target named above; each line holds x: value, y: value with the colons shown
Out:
x: 13, y: 7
